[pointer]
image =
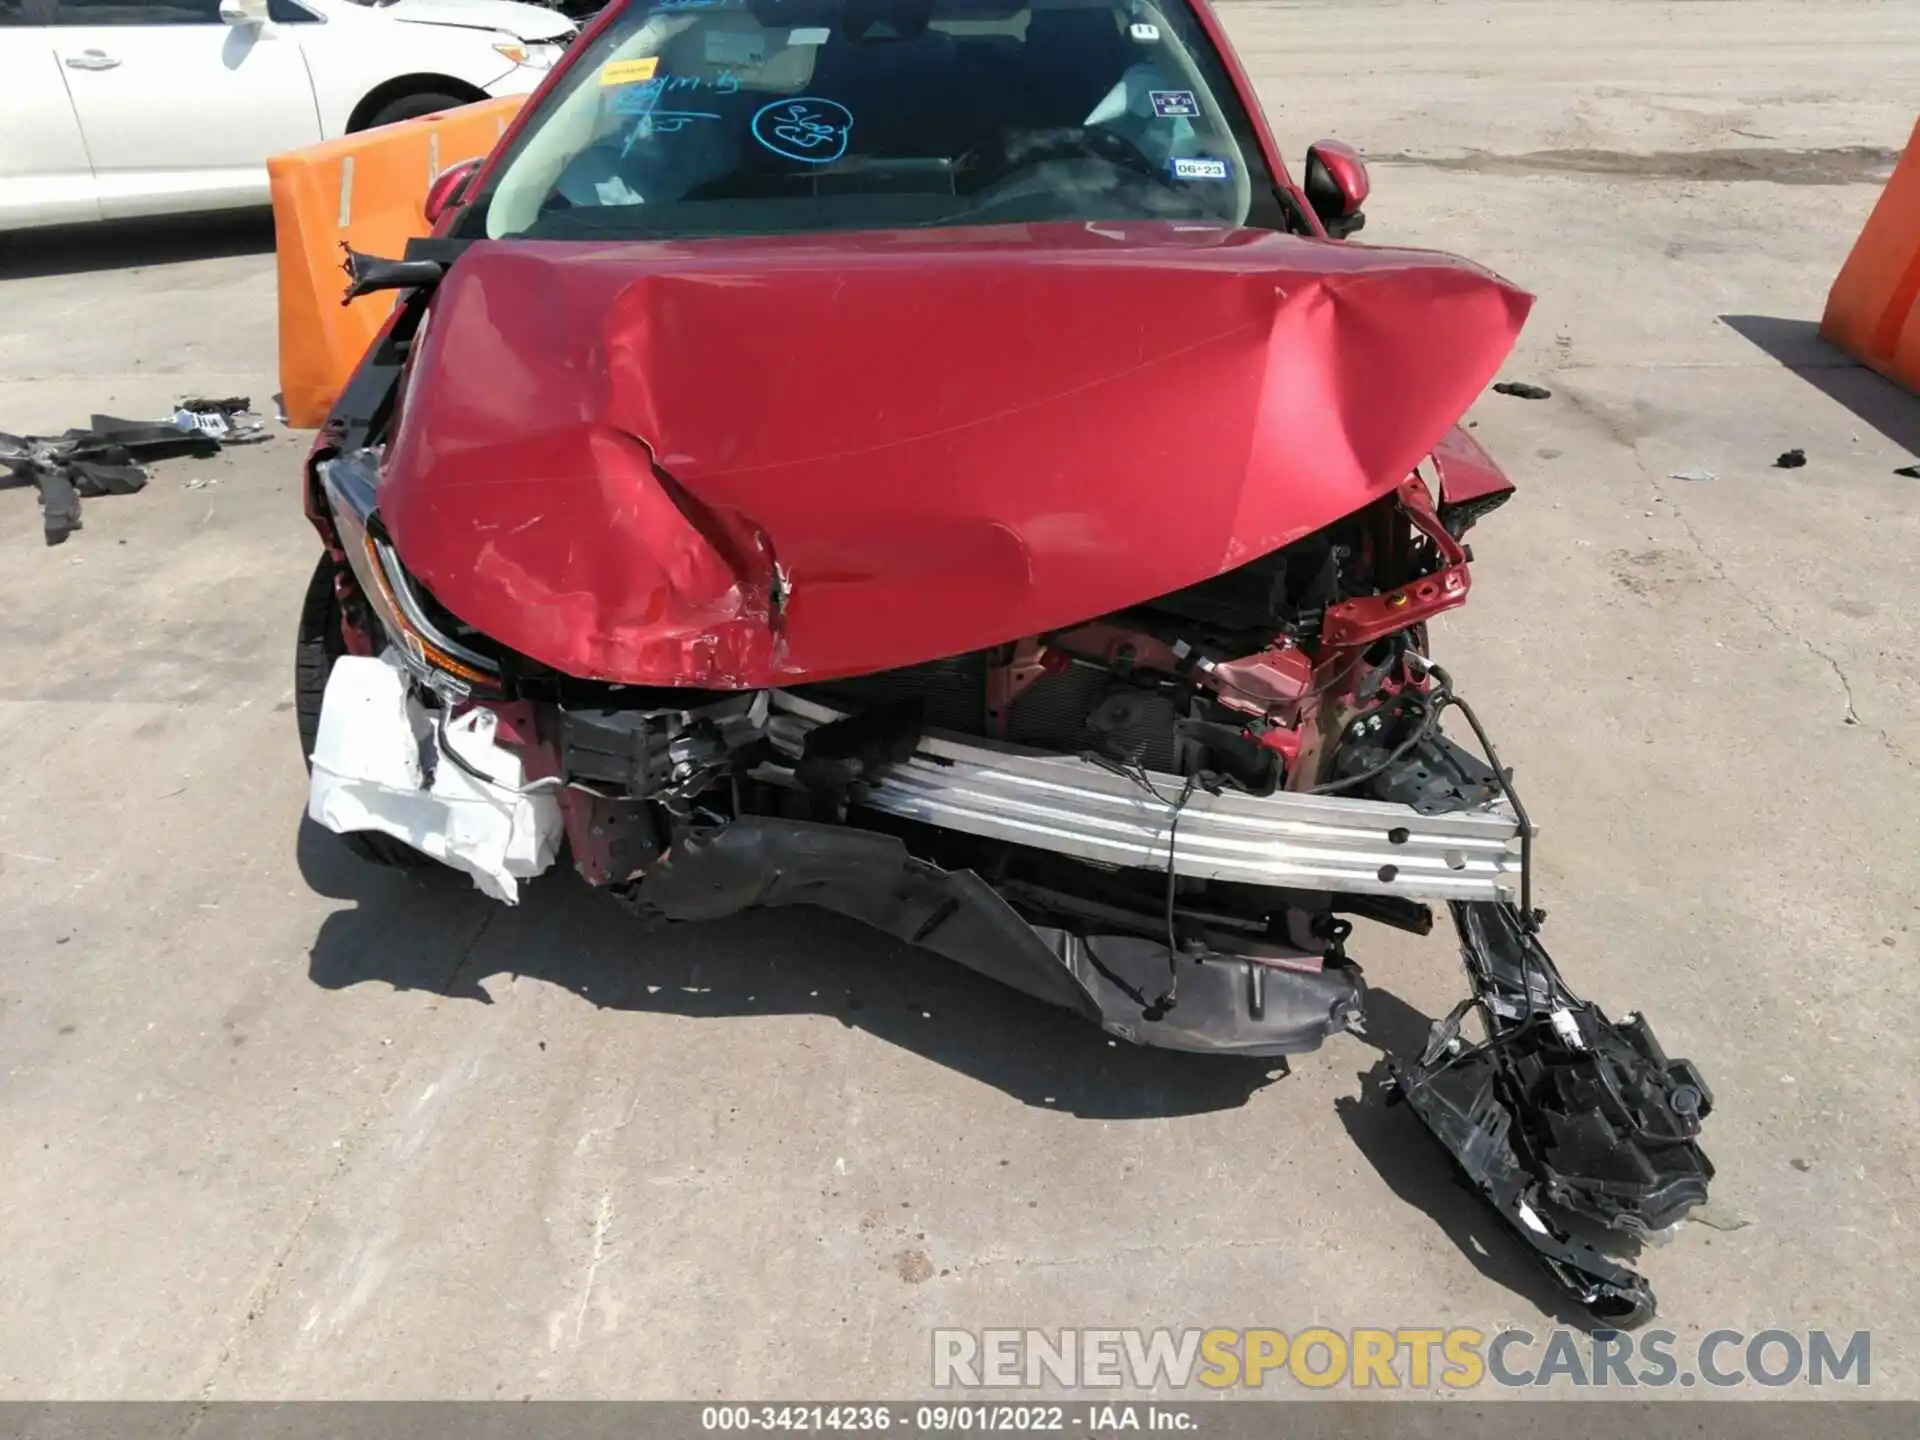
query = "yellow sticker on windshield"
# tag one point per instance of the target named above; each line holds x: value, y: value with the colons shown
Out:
x: 629, y: 72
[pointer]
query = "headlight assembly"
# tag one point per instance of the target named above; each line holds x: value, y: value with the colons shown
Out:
x: 535, y: 55
x: 439, y: 661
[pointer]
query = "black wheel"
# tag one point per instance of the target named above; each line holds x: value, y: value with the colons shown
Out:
x: 412, y: 107
x: 320, y: 643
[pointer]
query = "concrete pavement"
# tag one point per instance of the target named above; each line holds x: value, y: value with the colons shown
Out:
x: 274, y: 1124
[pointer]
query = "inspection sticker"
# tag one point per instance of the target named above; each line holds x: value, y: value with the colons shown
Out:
x: 1174, y: 104
x: 629, y: 72
x: 1201, y: 167
x: 1146, y: 34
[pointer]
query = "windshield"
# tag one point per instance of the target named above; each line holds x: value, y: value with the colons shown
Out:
x: 736, y: 117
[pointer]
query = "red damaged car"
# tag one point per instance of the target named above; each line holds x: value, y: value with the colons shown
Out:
x: 928, y: 459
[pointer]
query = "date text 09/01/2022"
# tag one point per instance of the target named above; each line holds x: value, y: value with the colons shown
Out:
x: 938, y: 1419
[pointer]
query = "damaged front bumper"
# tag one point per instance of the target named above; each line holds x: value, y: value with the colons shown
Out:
x: 1571, y: 1126
x: 1276, y: 1003
x: 385, y: 764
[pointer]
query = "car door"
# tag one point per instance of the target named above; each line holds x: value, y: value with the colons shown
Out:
x: 178, y: 108
x: 44, y: 175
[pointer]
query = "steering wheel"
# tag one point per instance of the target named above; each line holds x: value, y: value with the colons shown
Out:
x: 994, y: 160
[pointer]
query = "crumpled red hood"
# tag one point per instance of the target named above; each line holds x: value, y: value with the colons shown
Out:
x: 746, y: 463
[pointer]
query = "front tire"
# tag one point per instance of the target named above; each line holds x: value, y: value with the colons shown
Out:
x: 319, y: 644
x: 412, y: 107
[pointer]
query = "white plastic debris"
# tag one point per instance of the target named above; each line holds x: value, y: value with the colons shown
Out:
x: 377, y: 767
x: 1564, y: 1026
x: 1694, y: 472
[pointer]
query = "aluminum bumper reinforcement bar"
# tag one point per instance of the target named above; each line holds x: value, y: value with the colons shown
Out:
x: 1073, y: 807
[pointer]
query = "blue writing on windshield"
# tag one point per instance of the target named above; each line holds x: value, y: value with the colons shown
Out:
x: 643, y: 98
x: 643, y: 102
x: 669, y: 122
x: 808, y: 129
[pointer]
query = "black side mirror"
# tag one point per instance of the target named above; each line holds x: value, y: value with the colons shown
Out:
x: 1337, y: 186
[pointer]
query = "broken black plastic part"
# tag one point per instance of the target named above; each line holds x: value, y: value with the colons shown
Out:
x: 1457, y: 1101
x: 59, y: 505
x: 1435, y: 776
x: 1561, y: 1112
x: 126, y: 441
x: 1391, y: 910
x: 367, y: 274
x: 444, y: 248
x: 1521, y: 390
x: 646, y: 752
x: 360, y: 417
x: 103, y: 459
x: 1460, y: 516
x: 840, y: 754
x: 1229, y: 1004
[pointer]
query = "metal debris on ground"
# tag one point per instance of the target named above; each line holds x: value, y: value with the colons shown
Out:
x: 1693, y: 472
x: 1791, y: 460
x: 107, y: 458
x: 1521, y: 390
x: 230, y: 421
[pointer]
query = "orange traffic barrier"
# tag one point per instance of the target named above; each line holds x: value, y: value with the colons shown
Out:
x: 366, y: 190
x: 1873, y: 310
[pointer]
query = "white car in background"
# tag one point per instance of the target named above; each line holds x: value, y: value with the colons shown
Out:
x: 120, y: 108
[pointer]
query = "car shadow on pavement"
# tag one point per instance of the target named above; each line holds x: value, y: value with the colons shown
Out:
x: 1875, y: 401
x: 428, y: 929
x: 128, y: 244
x: 1417, y: 1168
x: 769, y: 962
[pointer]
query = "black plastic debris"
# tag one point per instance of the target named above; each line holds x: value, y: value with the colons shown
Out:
x: 1561, y: 1114
x: 1791, y: 460
x: 1519, y: 389
x: 1911, y: 472
x: 109, y: 457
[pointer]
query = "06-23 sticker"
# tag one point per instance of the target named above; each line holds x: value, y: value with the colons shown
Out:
x: 1202, y: 167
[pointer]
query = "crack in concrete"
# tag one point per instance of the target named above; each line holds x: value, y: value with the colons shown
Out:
x: 601, y: 1220
x: 1772, y: 621
x: 596, y: 1132
x: 268, y: 1286
x: 1619, y: 435
x: 1108, y: 1257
